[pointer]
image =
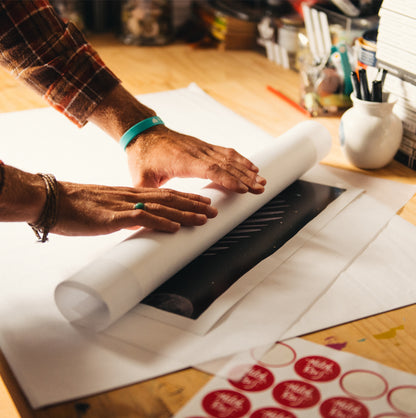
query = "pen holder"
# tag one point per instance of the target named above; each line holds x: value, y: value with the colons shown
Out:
x: 370, y: 133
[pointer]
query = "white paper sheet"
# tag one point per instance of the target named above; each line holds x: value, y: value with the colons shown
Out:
x: 54, y: 361
x: 373, y: 283
x: 111, y: 285
x: 301, y: 276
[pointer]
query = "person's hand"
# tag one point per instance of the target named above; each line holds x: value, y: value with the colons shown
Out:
x: 159, y: 154
x: 95, y: 210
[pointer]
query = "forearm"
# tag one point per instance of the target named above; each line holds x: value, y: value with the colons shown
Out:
x: 118, y: 112
x: 88, y: 209
x: 52, y: 57
x: 22, y: 196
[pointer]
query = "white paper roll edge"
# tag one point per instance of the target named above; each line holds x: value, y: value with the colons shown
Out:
x: 111, y: 285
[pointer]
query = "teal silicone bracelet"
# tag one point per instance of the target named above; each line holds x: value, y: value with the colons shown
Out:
x: 137, y: 129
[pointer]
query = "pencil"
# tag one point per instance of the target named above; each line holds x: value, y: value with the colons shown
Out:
x: 289, y: 101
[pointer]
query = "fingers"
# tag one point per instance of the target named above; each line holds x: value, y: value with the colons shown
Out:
x: 186, y: 202
x: 159, y: 217
x: 233, y: 179
x: 232, y: 155
x: 235, y: 172
x: 97, y: 210
x: 224, y: 166
x: 141, y: 218
x: 162, y: 218
x: 178, y: 216
x: 166, y: 210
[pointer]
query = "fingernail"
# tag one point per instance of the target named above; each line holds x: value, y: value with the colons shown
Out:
x: 175, y: 226
x: 260, y: 180
x: 213, y: 212
x: 202, y: 219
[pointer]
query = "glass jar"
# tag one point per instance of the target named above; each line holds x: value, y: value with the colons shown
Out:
x: 146, y: 22
x: 70, y: 10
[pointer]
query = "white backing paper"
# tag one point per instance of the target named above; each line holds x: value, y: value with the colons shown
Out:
x: 54, y: 361
x: 110, y: 286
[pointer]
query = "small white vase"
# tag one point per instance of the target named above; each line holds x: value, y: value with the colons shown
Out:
x: 370, y: 133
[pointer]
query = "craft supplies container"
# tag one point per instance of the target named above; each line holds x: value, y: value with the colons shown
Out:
x: 146, y: 22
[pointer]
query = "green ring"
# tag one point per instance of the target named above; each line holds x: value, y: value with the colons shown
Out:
x: 139, y: 205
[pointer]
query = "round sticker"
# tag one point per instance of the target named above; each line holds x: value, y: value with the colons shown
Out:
x: 272, y: 412
x: 343, y: 407
x: 257, y: 378
x: 280, y: 355
x: 363, y: 384
x: 226, y: 404
x: 403, y: 399
x: 317, y: 368
x: 296, y: 394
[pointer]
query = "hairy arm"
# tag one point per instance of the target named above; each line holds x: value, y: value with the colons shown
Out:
x: 88, y: 209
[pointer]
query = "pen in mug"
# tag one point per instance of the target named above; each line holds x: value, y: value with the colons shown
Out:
x: 365, y: 92
x: 376, y: 92
x: 355, y: 84
x: 383, y: 75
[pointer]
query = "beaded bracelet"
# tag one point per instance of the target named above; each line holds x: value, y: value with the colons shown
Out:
x: 48, y: 217
x: 138, y: 128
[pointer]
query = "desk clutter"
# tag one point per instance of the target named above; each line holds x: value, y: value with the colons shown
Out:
x: 386, y: 46
x: 324, y: 40
x: 322, y: 47
x: 335, y: 48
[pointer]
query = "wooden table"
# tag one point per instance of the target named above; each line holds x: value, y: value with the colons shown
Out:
x: 237, y: 79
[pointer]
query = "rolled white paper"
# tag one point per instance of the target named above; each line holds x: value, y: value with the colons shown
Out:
x: 114, y: 283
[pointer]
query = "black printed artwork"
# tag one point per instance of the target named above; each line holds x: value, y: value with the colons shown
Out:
x: 192, y: 290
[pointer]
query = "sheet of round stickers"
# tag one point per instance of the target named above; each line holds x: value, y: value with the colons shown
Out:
x: 302, y: 379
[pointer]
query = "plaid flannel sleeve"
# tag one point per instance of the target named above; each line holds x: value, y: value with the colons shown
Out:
x: 53, y: 57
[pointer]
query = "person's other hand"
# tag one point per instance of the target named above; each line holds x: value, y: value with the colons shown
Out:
x: 96, y: 210
x: 159, y: 154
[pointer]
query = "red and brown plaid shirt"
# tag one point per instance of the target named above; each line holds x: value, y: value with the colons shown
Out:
x: 52, y: 57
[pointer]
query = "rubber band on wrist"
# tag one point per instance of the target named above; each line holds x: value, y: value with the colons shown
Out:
x: 138, y: 128
x: 48, y: 217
